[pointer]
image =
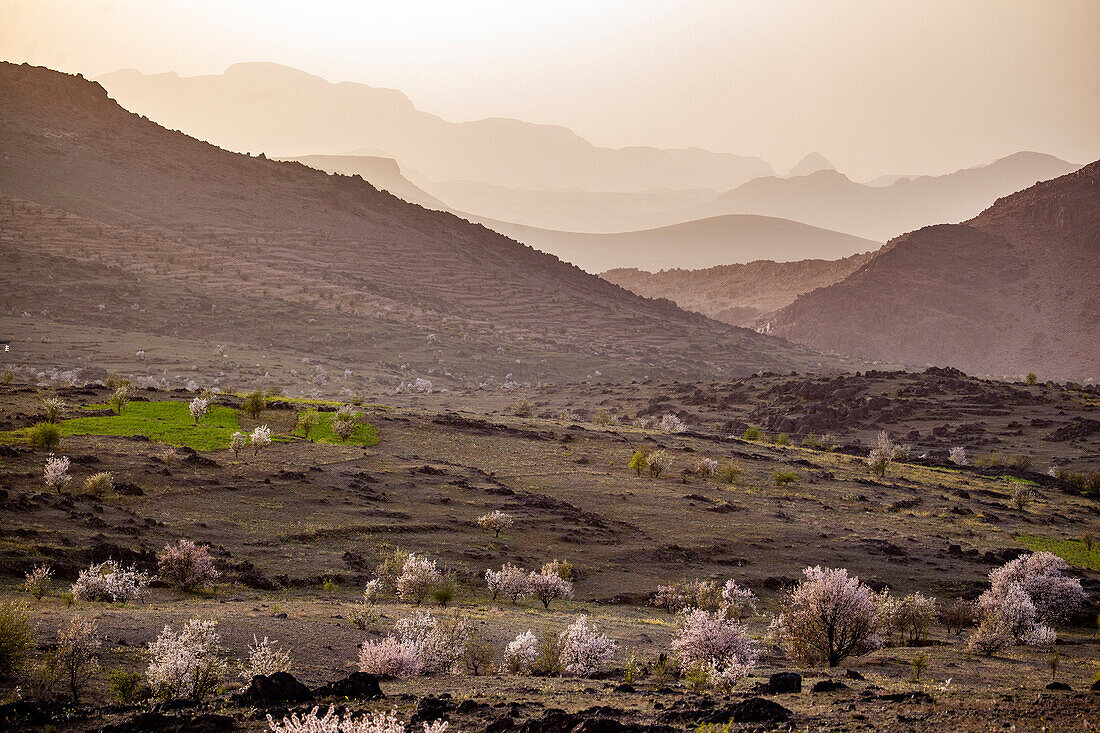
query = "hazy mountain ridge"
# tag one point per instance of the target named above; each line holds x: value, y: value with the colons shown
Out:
x: 284, y: 258
x: 287, y: 112
x: 1015, y: 289
x: 740, y: 294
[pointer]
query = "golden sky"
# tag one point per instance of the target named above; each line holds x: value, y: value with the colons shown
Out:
x: 914, y: 86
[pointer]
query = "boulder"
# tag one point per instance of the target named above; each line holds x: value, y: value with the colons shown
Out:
x: 356, y: 686
x: 275, y: 689
x: 784, y: 682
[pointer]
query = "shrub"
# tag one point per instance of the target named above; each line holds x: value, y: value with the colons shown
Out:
x: 729, y: 472
x: 56, y: 472
x: 53, y: 406
x: 919, y: 663
x: 1021, y: 462
x: 121, y: 398
x: 198, y: 408
x: 443, y: 592
x: 669, y: 597
x: 260, y: 438
x: 100, y: 483
x: 958, y: 456
x: 186, y: 566
x: 671, y: 423
x: 237, y: 443
x: 782, y: 439
x: 658, y: 462
x: 126, y: 687
x: 548, y: 662
x: 254, y: 404
x: 37, y: 581
x: 389, y: 569
x: 439, y: 643
x: 510, y: 582
x: 496, y: 522
x: 307, y: 421
x: 561, y: 568
x: 548, y: 586
x: 109, y: 581
x: 45, y: 436
x: 332, y: 722
x: 912, y: 616
x: 1031, y: 378
x: 17, y: 640
x: 605, y: 417
x: 884, y: 453
x: 521, y: 653
x: 1039, y: 577
x: 362, y: 615
x: 715, y: 644
x: 264, y: 659
x: 8, y: 376
x: 737, y: 602
x: 584, y: 651
x: 478, y: 656
x: 418, y: 576
x: 785, y: 478
x: 188, y: 664
x: 115, y: 380
x: 828, y: 617
x: 639, y: 462
x: 389, y: 657
x: 705, y: 467
x: 75, y: 656
x: 343, y: 422
x: 991, y: 636
x: 1021, y: 497
x: 521, y: 408
x: 957, y: 615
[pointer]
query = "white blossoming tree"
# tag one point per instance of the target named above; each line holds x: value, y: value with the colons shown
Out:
x: 828, y: 617
x: 584, y: 650
x: 188, y: 664
x: 496, y: 522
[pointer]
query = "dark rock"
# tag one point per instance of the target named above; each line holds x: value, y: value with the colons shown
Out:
x: 154, y: 722
x: 853, y: 675
x: 1059, y: 686
x: 356, y: 686
x: 784, y: 682
x: 625, y: 687
x: 267, y: 690
x: 431, y: 708
x: 913, y: 697
x: 758, y: 710
x: 828, y: 686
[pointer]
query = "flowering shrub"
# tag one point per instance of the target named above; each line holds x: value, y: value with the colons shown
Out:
x: 958, y: 456
x: 389, y: 657
x: 1029, y: 591
x: 828, y: 617
x: 56, y: 472
x: 120, y: 398
x: 99, y: 483
x: 187, y: 664
x: 957, y: 615
x: 496, y: 522
x: 510, y: 582
x: 330, y: 722
x: 264, y: 659
x: 884, y: 453
x: 670, y: 423
x: 37, y: 581
x: 237, y: 443
x: 715, y: 644
x: 561, y: 568
x: 521, y: 653
x: 109, y: 581
x: 198, y: 408
x: 54, y: 406
x: 911, y: 616
x: 737, y: 602
x: 261, y: 438
x: 991, y: 636
x: 548, y: 586
x: 74, y: 660
x: 583, y: 649
x: 186, y: 566
x: 706, y: 467
x: 439, y: 643
x: 343, y: 422
x: 418, y: 576
x: 658, y: 462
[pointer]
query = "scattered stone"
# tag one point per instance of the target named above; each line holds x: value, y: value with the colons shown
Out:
x: 267, y: 690
x: 356, y: 686
x: 828, y: 686
x: 784, y: 682
x: 1059, y: 686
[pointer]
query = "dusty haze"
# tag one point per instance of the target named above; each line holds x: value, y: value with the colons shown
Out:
x: 877, y: 88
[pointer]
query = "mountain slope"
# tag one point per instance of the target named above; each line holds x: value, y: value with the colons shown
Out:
x: 812, y: 163
x: 1013, y: 290
x: 382, y: 173
x: 692, y: 245
x: 830, y: 200
x: 282, y: 111
x: 738, y: 294
x: 122, y: 236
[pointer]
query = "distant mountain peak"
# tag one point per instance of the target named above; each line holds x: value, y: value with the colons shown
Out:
x: 812, y: 163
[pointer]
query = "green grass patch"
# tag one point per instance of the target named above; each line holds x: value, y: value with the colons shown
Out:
x: 1072, y: 551
x: 1018, y: 480
x: 322, y: 433
x: 163, y: 422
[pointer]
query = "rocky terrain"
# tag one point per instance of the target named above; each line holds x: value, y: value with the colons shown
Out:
x: 1012, y: 290
x: 741, y: 295
x: 134, y: 247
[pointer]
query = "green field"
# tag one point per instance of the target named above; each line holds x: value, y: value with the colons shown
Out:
x: 1072, y: 551
x: 322, y: 433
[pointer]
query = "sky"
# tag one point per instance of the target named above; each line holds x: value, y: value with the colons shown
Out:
x: 878, y: 87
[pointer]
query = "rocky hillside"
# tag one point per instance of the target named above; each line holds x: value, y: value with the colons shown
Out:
x: 738, y: 294
x: 120, y: 237
x: 1013, y: 290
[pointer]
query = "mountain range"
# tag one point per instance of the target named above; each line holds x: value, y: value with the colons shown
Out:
x: 1012, y: 290
x: 265, y: 107
x: 121, y: 237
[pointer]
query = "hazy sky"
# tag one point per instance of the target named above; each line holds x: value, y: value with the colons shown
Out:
x: 921, y: 86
